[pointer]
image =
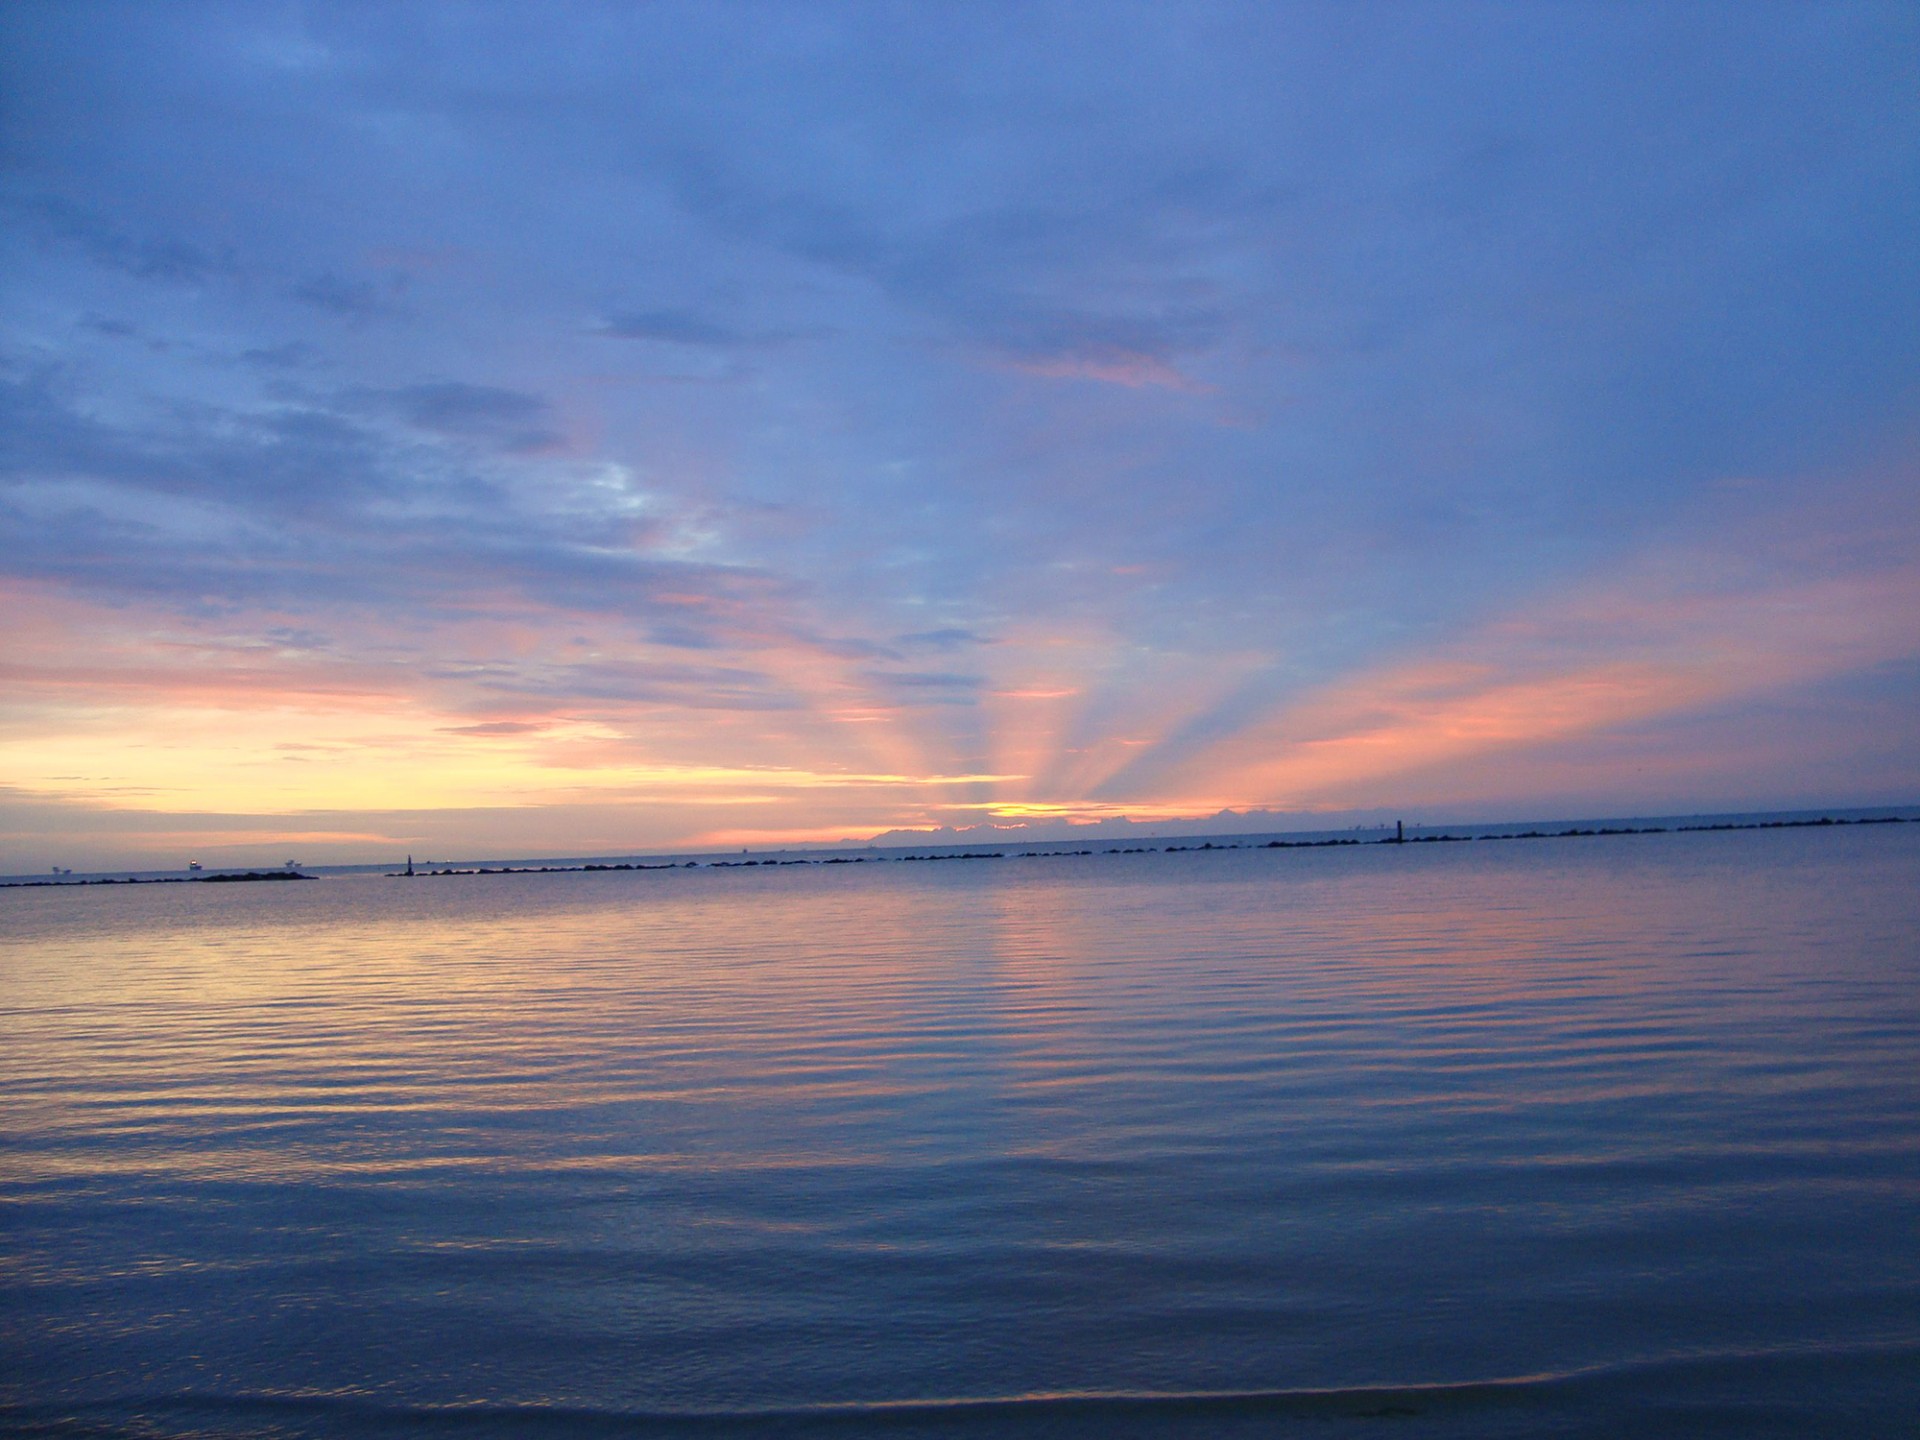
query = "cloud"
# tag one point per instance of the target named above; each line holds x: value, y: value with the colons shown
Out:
x: 169, y: 260
x: 952, y: 637
x: 508, y: 420
x: 295, y: 638
x: 302, y: 504
x: 924, y: 687
x: 1134, y: 349
x: 1113, y: 367
x: 1657, y: 644
x: 293, y: 355
x: 689, y: 327
x: 349, y: 298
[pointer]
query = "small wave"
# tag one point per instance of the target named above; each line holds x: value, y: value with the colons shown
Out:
x: 1854, y: 1390
x: 229, y: 1417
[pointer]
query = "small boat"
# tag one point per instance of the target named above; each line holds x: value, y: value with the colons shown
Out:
x: 195, y: 865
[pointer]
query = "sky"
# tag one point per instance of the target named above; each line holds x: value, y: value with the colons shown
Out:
x: 575, y: 429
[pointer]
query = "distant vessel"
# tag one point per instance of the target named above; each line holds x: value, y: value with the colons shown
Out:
x: 195, y: 865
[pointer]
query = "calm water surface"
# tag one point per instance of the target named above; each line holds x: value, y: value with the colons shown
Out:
x: 1605, y: 1136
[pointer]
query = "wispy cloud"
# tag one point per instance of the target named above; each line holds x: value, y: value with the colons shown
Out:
x: 690, y: 327
x: 1112, y: 367
x: 1583, y: 665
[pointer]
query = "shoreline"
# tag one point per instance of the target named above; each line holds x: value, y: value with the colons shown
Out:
x: 1445, y: 835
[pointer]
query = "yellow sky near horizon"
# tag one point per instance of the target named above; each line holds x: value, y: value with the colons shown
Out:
x: 171, y: 719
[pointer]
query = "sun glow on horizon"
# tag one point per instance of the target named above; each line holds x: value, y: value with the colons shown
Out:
x: 229, y: 731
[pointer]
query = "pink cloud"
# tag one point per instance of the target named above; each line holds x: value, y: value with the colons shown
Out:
x: 1570, y: 670
x: 1132, y: 369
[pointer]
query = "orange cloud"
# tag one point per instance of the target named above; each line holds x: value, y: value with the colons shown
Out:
x: 1592, y: 662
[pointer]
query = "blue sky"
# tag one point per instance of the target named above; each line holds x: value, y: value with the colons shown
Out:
x: 520, y: 429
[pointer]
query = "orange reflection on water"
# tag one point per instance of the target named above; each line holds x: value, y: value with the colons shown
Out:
x: 770, y: 1018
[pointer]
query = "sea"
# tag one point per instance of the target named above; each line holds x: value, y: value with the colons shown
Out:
x: 1566, y: 1135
